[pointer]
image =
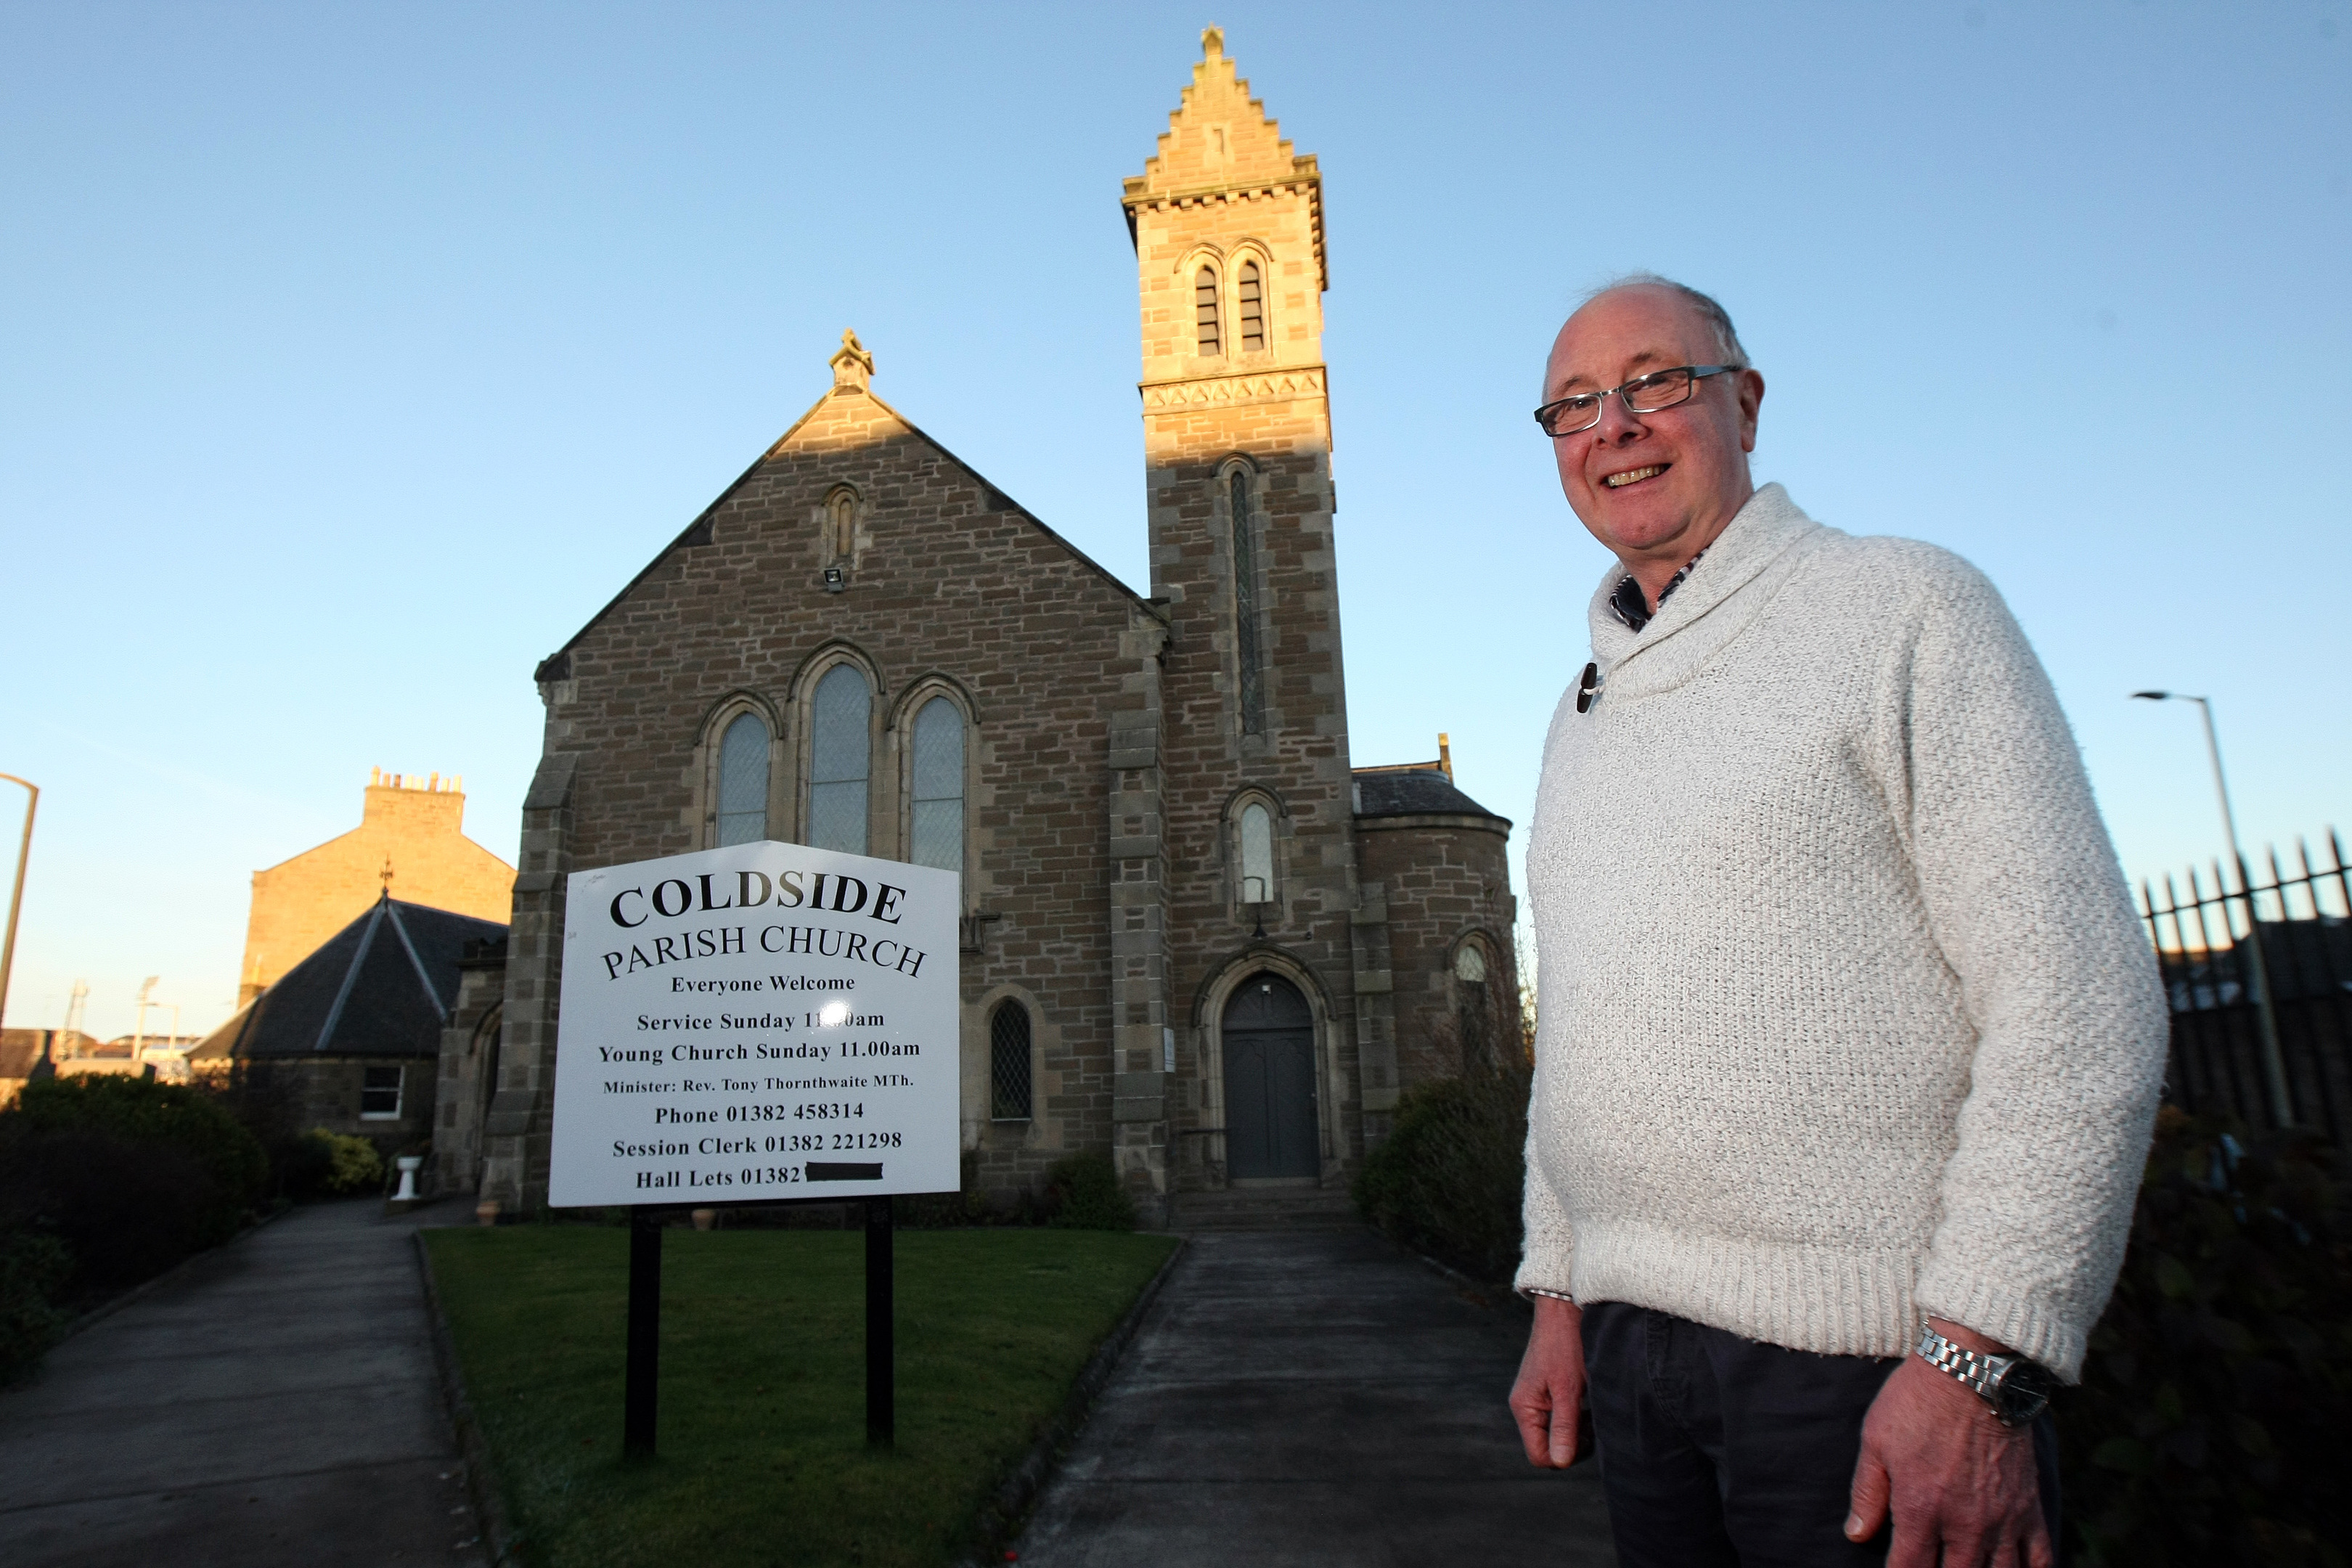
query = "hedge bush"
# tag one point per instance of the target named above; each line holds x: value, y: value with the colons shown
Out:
x: 161, y: 1117
x: 2211, y: 1425
x: 32, y: 1273
x: 1447, y: 1181
x: 1083, y: 1193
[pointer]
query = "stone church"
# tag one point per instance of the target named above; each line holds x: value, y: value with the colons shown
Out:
x: 1195, y: 933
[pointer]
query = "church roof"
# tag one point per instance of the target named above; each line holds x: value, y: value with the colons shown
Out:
x: 853, y: 369
x: 382, y: 986
x: 1419, y: 790
x: 1220, y: 144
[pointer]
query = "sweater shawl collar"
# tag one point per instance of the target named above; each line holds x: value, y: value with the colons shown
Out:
x: 1744, y: 568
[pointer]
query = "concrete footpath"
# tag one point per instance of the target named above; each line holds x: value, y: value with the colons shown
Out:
x: 1313, y: 1397
x: 277, y: 1402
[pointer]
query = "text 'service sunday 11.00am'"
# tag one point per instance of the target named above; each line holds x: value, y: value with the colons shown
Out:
x: 758, y: 1022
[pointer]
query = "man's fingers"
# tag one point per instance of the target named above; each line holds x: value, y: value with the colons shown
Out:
x: 1534, y: 1426
x: 1563, y: 1432
x: 1866, y: 1508
x: 2040, y: 1552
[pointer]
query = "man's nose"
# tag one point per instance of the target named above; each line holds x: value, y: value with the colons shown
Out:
x: 1618, y: 424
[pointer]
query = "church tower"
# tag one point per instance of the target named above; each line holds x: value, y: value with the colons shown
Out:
x: 1228, y: 228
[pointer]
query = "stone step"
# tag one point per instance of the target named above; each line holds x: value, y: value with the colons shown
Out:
x: 1265, y: 1208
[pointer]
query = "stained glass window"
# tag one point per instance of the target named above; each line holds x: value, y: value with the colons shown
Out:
x: 840, y: 759
x: 936, y: 822
x: 1258, y: 854
x: 743, y: 782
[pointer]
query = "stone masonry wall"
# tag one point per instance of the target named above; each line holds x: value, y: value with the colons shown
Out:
x: 949, y: 588
x: 1441, y: 878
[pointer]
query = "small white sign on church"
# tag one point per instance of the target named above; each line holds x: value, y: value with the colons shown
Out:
x: 758, y: 1022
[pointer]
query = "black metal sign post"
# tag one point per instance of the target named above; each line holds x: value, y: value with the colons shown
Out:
x: 641, y: 1381
x: 881, y: 1361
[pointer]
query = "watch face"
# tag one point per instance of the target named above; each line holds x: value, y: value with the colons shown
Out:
x: 2022, y: 1392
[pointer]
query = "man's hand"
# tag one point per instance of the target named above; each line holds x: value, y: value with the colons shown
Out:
x: 1961, y: 1485
x: 1548, y: 1400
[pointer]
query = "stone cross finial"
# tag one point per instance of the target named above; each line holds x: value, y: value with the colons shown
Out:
x: 1212, y: 41
x: 853, y: 366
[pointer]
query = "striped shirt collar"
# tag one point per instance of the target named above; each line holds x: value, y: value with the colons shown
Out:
x: 1632, y: 610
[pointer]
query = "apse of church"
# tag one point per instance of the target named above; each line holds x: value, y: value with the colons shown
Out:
x: 1193, y: 936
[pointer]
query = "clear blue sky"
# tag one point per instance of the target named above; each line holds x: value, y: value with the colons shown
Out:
x: 356, y: 354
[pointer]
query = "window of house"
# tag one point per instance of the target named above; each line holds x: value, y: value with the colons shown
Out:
x: 380, y: 1094
x: 840, y: 759
x: 1258, y: 854
x: 1470, y: 964
x: 744, y: 780
x: 935, y: 824
x: 1204, y: 309
x: 1252, y: 299
x: 1008, y: 1063
x: 1245, y: 651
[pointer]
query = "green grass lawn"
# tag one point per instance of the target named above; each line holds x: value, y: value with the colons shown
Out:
x: 762, y: 1456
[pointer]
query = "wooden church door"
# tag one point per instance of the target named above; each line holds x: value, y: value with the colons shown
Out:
x: 1269, y: 1057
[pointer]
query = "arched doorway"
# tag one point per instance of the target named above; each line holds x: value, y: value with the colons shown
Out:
x: 1270, y: 1059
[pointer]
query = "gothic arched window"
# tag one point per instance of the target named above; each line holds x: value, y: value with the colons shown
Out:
x: 1246, y: 667
x: 1258, y: 854
x: 934, y: 820
x: 744, y: 780
x: 840, y: 759
x: 840, y: 523
x: 1204, y: 309
x: 1251, y: 299
x: 1010, y: 1098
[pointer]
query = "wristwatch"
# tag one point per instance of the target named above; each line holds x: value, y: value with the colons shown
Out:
x: 2017, y: 1389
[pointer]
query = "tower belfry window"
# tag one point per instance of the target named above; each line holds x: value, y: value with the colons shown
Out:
x: 1252, y: 297
x: 1246, y: 670
x: 1204, y: 309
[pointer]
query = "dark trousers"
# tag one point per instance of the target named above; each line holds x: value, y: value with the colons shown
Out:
x: 1721, y: 1452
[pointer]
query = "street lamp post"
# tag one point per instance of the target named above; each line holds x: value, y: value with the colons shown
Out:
x: 2265, y: 1011
x: 17, y: 895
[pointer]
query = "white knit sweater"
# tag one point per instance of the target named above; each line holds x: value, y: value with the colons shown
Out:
x: 1845, y: 1013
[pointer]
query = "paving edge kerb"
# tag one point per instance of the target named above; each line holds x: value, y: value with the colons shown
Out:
x: 1002, y: 1516
x: 497, y: 1531
x: 999, y: 1516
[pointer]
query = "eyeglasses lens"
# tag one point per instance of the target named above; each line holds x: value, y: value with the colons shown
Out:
x: 1663, y: 390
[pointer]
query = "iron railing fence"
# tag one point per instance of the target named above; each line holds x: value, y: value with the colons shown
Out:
x: 2259, y: 972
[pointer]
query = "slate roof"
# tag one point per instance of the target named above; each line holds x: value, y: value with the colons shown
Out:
x: 382, y: 986
x: 1413, y: 792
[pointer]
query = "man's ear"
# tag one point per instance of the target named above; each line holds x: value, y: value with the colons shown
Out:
x: 1752, y: 399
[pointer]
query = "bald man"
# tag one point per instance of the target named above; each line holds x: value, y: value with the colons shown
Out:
x: 1848, y: 1042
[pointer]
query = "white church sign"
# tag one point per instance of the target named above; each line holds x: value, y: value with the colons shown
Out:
x: 758, y: 1022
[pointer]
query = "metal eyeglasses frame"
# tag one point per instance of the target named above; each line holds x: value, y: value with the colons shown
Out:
x: 1698, y: 373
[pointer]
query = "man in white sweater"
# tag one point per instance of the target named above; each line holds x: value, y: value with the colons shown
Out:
x: 1848, y: 1042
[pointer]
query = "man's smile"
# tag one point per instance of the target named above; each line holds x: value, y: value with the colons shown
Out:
x: 1636, y: 476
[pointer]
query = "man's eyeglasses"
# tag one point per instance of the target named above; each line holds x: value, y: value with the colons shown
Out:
x: 1660, y: 389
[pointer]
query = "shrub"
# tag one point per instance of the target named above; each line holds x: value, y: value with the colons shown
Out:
x: 2211, y: 1427
x: 1083, y: 1193
x: 126, y: 1211
x: 33, y: 1272
x: 1447, y: 1180
x: 320, y: 1161
x: 161, y: 1116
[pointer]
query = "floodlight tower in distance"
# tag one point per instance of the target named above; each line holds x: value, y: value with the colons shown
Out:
x: 17, y: 895
x: 2265, y: 1012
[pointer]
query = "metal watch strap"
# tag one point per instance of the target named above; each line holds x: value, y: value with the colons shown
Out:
x: 1971, y: 1370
